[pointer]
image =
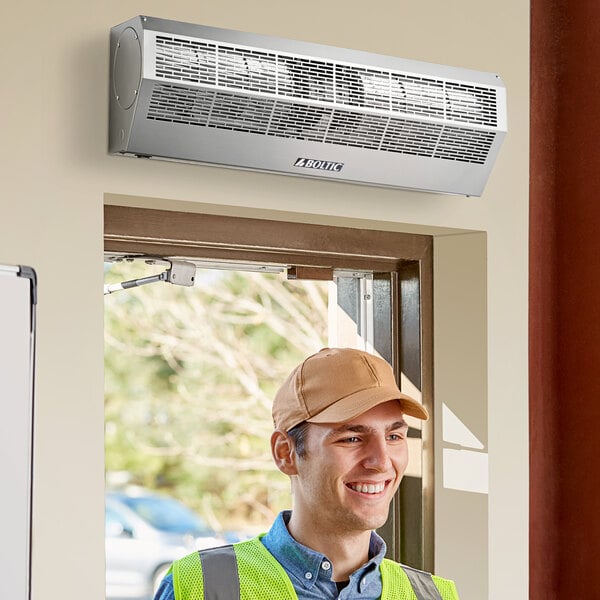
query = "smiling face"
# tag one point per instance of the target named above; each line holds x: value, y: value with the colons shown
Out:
x: 350, y: 472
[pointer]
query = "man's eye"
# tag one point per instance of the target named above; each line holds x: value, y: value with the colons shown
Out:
x: 395, y: 437
x: 351, y: 440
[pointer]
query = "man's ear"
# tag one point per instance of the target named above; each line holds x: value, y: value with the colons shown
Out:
x: 284, y: 455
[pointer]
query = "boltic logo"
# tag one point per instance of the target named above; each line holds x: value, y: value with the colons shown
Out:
x: 323, y: 165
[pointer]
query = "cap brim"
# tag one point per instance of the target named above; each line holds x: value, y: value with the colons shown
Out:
x: 360, y: 402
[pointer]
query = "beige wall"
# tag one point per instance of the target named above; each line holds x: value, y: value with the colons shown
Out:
x: 56, y: 172
x: 460, y: 383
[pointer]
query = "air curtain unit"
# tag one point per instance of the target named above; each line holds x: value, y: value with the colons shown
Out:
x: 214, y: 96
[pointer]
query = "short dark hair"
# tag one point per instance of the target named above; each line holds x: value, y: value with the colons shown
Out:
x: 298, y: 435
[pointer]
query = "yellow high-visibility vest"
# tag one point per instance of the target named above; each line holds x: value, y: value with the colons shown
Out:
x: 248, y: 571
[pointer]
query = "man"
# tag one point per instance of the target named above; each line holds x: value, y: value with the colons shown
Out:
x: 340, y: 436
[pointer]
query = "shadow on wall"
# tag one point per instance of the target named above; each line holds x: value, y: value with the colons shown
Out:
x: 465, y: 460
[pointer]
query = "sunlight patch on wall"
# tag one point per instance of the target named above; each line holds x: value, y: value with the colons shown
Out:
x: 465, y: 464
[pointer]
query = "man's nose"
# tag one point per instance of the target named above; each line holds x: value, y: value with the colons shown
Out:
x: 376, y: 455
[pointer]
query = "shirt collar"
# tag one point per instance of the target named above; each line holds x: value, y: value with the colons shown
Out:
x: 305, y: 565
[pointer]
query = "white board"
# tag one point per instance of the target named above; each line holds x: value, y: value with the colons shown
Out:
x: 17, y: 347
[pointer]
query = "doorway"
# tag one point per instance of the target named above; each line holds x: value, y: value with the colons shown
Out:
x: 383, y: 287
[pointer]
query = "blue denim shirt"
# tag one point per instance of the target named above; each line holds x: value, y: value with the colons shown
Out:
x: 309, y: 571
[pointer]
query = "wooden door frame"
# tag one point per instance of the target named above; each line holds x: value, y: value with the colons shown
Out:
x: 141, y: 231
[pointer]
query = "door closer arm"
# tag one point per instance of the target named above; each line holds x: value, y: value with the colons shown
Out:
x: 180, y: 272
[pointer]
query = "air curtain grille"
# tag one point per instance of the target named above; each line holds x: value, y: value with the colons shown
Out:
x: 185, y: 60
x: 285, y: 119
x: 279, y: 74
x: 299, y: 121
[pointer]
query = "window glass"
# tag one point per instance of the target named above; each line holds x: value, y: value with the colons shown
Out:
x: 190, y: 374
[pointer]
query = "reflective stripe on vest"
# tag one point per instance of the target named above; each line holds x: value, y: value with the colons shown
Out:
x: 221, y: 579
x: 422, y: 584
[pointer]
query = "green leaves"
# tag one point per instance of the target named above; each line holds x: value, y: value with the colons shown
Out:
x: 189, y: 378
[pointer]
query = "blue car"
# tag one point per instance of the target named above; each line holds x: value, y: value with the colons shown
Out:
x: 144, y: 533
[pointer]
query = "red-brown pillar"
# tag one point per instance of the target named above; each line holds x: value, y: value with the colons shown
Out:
x: 565, y: 299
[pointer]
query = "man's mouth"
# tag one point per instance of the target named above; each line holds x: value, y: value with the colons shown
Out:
x: 368, y: 488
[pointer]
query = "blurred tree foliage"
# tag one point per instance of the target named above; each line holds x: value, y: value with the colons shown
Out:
x: 190, y: 374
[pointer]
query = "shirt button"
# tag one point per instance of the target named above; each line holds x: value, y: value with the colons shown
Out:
x: 308, y: 575
x: 326, y: 565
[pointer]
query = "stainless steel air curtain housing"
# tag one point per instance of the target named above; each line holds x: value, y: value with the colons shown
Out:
x: 192, y: 93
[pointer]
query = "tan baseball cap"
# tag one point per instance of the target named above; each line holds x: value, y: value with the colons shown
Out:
x: 335, y: 385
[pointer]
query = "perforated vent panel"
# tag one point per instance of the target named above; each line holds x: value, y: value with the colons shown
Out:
x: 412, y: 137
x: 415, y: 95
x: 295, y: 120
x: 300, y: 121
x: 305, y: 78
x: 240, y: 113
x: 176, y: 104
x: 471, y: 104
x: 465, y: 145
x: 356, y: 86
x: 247, y: 69
x: 256, y: 70
x: 355, y: 129
x: 185, y: 60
